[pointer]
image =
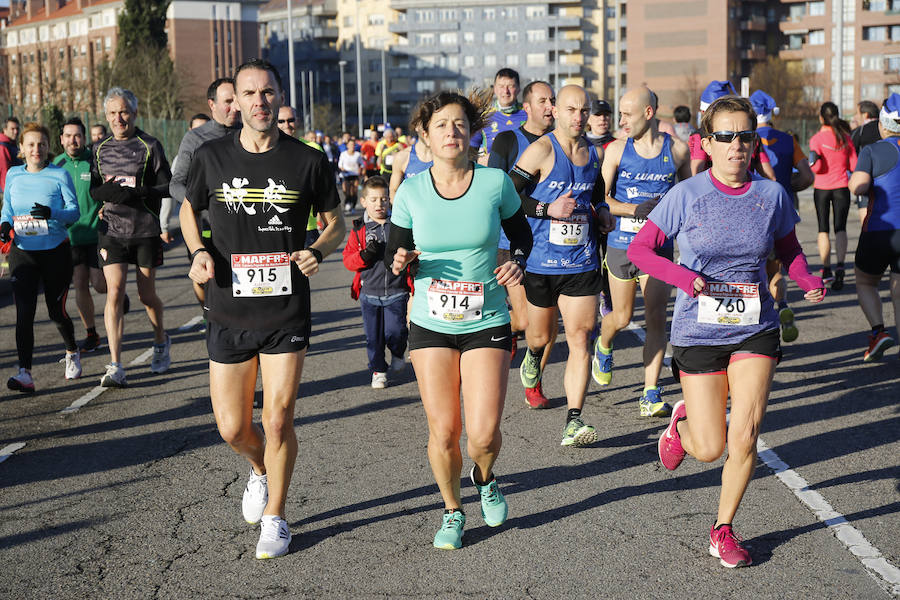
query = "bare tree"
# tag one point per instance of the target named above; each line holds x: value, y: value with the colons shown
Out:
x: 690, y: 89
x: 786, y: 81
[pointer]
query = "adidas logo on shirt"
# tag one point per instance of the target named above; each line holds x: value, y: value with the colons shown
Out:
x: 275, y: 221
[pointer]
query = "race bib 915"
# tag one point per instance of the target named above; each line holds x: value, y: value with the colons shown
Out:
x: 260, y: 275
x: 732, y: 304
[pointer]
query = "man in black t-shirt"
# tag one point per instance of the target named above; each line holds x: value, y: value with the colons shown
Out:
x: 867, y: 133
x: 258, y: 187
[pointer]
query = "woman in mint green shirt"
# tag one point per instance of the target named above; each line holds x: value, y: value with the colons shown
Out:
x: 449, y: 222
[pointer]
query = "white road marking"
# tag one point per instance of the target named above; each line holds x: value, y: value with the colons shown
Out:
x: 191, y: 323
x: 8, y: 451
x: 871, y: 558
x: 83, y: 400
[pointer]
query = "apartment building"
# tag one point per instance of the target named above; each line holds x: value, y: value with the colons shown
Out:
x: 850, y: 48
x: 51, y: 49
x: 465, y: 44
x: 316, y: 54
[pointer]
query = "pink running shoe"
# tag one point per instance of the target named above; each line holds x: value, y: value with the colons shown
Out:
x: 670, y: 451
x: 725, y: 545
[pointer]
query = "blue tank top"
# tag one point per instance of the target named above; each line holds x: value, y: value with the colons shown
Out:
x: 779, y: 147
x: 639, y: 179
x: 884, y: 210
x: 521, y: 143
x: 415, y: 164
x: 568, y: 245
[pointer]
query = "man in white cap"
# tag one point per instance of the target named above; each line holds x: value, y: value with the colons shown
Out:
x: 878, y: 175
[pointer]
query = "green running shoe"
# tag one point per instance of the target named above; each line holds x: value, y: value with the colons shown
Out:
x: 493, y: 505
x: 449, y: 536
x: 601, y: 365
x: 577, y: 433
x: 652, y: 405
x: 530, y: 370
x: 789, y: 330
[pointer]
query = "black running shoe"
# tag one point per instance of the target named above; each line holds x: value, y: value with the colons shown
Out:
x: 90, y: 343
x: 838, y: 283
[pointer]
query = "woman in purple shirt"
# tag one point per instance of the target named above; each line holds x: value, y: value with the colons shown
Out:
x: 725, y: 329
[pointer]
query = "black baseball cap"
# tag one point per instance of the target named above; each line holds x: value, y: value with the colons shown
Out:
x: 600, y: 107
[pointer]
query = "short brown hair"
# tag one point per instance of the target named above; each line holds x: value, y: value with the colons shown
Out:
x: 727, y: 104
x: 375, y: 182
x: 32, y: 127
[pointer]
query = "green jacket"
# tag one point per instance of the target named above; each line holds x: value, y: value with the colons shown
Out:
x: 84, y: 230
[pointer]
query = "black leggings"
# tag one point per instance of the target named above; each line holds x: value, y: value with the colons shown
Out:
x: 27, y: 269
x: 839, y: 201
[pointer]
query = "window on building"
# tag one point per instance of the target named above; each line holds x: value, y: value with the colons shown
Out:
x: 512, y: 36
x: 468, y: 14
x: 490, y: 60
x: 107, y: 43
x: 537, y: 59
x: 490, y: 14
x: 425, y: 86
x: 892, y: 89
x: 425, y: 39
x: 448, y: 14
x: 816, y: 9
x: 374, y: 87
x: 536, y: 35
x: 449, y: 38
x: 468, y: 61
x: 490, y: 37
x: 892, y: 62
x: 871, y: 91
x: 814, y: 65
x: 871, y: 62
x: 511, y: 12
x: 374, y: 65
x: 449, y: 84
x: 426, y: 16
x: 610, y: 35
x: 512, y: 60
x: 611, y: 12
x: 814, y: 93
x: 535, y: 12
x: 376, y: 19
x: 874, y: 34
x: 469, y: 37
x: 816, y: 37
x: 348, y: 21
x: 875, y: 5
x: 895, y: 33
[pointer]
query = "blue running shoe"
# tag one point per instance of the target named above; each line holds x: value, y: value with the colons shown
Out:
x: 493, y: 505
x: 601, y: 366
x: 652, y: 405
x: 449, y: 536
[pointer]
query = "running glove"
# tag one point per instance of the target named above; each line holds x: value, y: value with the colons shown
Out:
x: 39, y: 211
x: 111, y: 192
x: 643, y: 209
x: 372, y: 251
x: 5, y: 232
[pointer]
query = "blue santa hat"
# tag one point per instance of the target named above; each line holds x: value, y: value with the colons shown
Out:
x: 714, y: 91
x: 890, y: 113
x: 764, y: 105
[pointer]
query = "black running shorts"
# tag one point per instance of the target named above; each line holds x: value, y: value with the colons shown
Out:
x: 499, y: 337
x: 544, y: 290
x: 709, y: 360
x: 878, y: 250
x: 231, y: 346
x: 144, y: 252
x: 85, y: 254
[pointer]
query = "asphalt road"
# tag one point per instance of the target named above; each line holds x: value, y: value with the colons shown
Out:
x: 133, y: 495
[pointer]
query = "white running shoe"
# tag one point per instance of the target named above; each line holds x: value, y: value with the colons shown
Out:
x: 114, y: 376
x: 256, y: 496
x: 161, y: 360
x: 73, y: 365
x: 379, y: 380
x: 398, y: 363
x: 21, y: 382
x: 274, y: 537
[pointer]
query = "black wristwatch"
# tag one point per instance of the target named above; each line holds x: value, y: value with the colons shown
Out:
x: 196, y: 252
x: 520, y: 260
x: 316, y: 253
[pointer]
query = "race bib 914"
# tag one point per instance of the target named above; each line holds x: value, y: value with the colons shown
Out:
x: 455, y: 301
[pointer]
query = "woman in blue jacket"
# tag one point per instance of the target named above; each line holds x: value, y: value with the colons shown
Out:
x: 38, y: 203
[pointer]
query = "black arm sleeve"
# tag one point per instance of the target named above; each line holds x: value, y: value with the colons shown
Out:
x: 524, y: 183
x: 503, y: 151
x: 518, y: 231
x: 398, y: 237
x: 598, y: 195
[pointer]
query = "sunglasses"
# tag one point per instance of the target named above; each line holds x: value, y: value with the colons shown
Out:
x: 292, y: 121
x: 726, y: 137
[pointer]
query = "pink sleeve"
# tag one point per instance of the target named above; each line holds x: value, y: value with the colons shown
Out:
x: 791, y: 254
x: 853, y: 156
x: 642, y: 252
x: 697, y: 151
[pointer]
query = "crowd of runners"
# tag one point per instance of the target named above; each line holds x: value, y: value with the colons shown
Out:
x: 486, y: 223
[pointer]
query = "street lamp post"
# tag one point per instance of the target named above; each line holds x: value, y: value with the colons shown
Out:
x: 290, y: 41
x: 359, y: 106
x: 342, y: 64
